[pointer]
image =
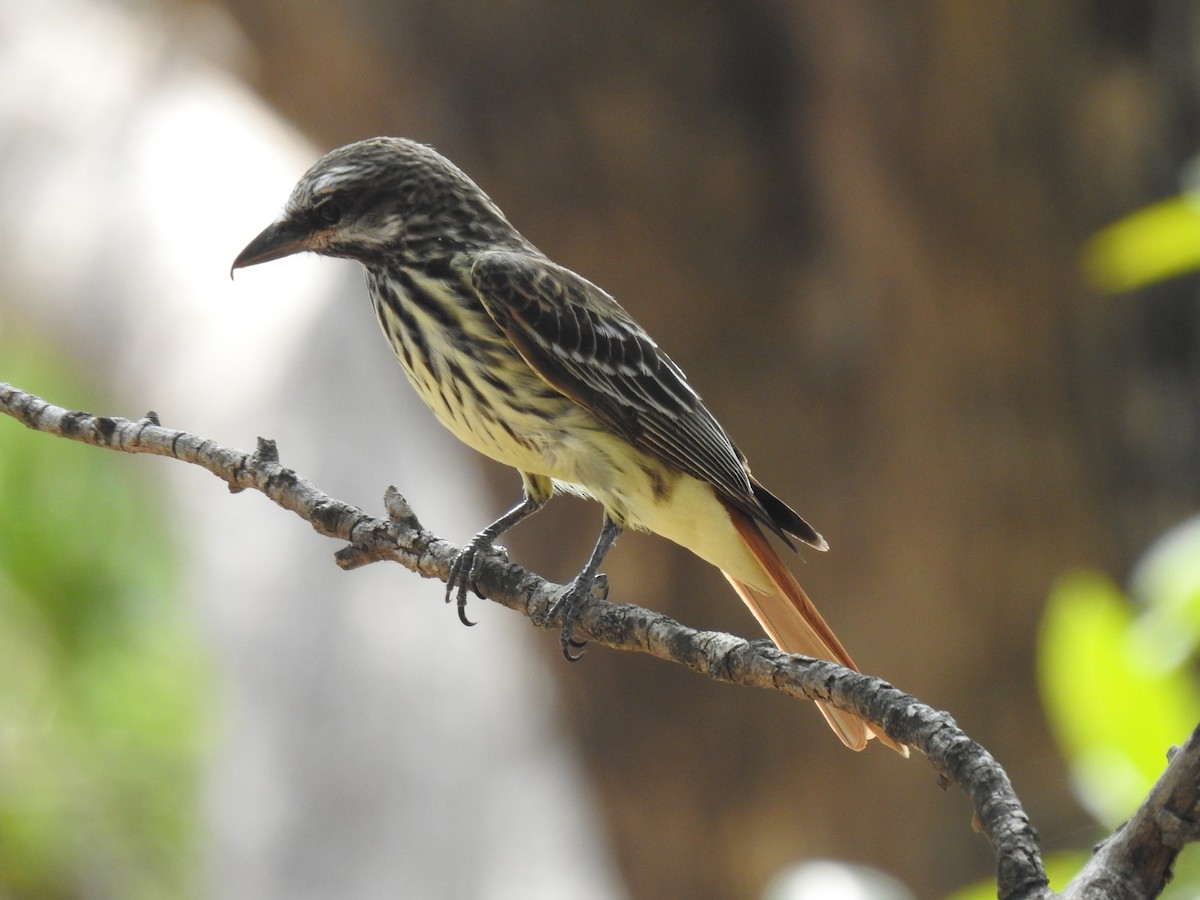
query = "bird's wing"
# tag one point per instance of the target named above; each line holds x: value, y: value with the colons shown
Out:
x: 585, y: 345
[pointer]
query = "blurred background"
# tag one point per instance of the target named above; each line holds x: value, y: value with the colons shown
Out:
x: 897, y: 248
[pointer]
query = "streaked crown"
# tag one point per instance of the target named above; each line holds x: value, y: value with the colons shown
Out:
x: 394, y: 199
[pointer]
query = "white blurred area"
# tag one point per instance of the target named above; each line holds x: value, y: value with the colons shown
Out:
x: 369, y: 745
x: 825, y: 879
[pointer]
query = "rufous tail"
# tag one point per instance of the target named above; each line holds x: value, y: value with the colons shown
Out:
x: 792, y: 621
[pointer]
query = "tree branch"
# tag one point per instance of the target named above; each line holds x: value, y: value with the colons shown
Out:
x: 1165, y: 822
x: 1135, y: 861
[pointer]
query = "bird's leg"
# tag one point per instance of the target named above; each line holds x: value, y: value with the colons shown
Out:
x: 575, y: 596
x: 464, y: 570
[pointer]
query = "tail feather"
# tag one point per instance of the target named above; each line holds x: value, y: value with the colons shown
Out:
x: 792, y: 621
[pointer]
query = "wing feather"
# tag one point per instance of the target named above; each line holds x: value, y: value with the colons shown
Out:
x: 585, y: 345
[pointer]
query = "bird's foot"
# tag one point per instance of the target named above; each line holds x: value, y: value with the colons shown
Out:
x: 466, y: 568
x: 573, y: 602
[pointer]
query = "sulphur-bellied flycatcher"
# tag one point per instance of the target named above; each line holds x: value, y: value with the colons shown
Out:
x: 534, y: 366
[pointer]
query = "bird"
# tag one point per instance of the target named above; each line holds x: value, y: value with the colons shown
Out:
x: 533, y: 365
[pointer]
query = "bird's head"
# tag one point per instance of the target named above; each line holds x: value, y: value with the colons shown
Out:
x: 382, y: 200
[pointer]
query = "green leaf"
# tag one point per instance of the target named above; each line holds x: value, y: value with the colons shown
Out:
x: 1152, y: 244
x: 1113, y: 707
x: 102, y: 700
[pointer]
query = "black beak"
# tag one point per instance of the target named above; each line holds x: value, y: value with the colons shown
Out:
x: 277, y: 240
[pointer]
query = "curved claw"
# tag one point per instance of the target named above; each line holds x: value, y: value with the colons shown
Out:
x: 458, y: 581
x: 466, y: 569
x: 573, y: 603
x: 454, y: 580
x: 571, y: 644
x: 462, y: 612
x: 571, y: 616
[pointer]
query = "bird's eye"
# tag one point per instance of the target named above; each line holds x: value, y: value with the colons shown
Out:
x: 329, y: 212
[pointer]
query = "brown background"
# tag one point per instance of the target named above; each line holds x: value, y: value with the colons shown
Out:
x: 856, y: 225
